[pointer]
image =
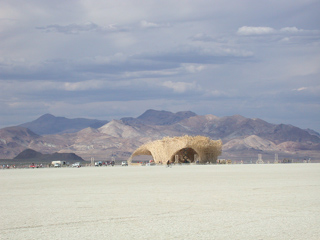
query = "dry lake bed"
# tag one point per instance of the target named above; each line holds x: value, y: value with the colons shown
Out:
x: 270, y: 201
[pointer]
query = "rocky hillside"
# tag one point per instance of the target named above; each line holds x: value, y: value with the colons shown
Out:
x: 13, y: 140
x: 243, y: 138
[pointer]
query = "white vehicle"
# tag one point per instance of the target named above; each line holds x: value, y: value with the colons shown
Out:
x: 124, y: 163
x: 61, y: 163
x: 77, y: 164
x: 57, y: 165
x: 98, y: 164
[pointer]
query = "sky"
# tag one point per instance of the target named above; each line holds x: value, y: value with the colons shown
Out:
x: 106, y: 60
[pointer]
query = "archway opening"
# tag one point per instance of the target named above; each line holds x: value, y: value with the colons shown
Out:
x: 143, y: 158
x: 185, y: 155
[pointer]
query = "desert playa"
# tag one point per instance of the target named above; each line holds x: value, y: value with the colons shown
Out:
x: 249, y: 201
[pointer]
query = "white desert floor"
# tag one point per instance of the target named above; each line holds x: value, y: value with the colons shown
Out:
x: 274, y: 201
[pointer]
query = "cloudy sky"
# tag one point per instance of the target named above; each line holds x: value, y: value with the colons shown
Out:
x: 111, y: 59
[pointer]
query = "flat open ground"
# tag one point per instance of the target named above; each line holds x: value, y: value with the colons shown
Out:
x: 270, y: 201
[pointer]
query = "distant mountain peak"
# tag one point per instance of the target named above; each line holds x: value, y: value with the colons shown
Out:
x: 47, y: 115
x: 28, y: 153
x: 238, y: 117
x: 155, y: 117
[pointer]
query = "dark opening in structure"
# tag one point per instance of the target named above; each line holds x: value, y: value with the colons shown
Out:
x: 185, y: 155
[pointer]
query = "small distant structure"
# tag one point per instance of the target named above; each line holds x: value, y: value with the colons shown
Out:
x: 229, y: 161
x: 307, y: 161
x: 287, y: 160
x: 92, y: 161
x: 276, y: 159
x: 224, y: 161
x: 259, y: 161
x: 221, y: 161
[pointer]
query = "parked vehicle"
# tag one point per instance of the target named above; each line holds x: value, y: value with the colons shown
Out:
x: 98, y: 164
x: 77, y: 164
x: 57, y: 165
x: 124, y: 163
x: 59, y: 162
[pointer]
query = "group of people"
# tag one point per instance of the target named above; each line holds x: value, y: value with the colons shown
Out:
x: 8, y: 166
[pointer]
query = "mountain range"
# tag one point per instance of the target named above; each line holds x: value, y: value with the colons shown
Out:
x: 49, y: 124
x: 243, y: 138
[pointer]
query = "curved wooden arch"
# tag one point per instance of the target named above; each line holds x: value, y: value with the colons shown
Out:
x: 163, y: 150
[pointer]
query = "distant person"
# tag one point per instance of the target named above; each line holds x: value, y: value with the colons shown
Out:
x: 168, y: 163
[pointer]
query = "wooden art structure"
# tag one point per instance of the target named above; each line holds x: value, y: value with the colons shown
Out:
x: 186, y: 149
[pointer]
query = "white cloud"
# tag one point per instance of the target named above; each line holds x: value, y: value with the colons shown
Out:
x: 180, y: 87
x: 192, y: 68
x: 245, y: 30
x: 300, y: 89
x: 146, y: 24
x: 85, y: 85
x: 285, y: 40
x: 294, y: 30
x: 290, y: 30
x: 311, y: 91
